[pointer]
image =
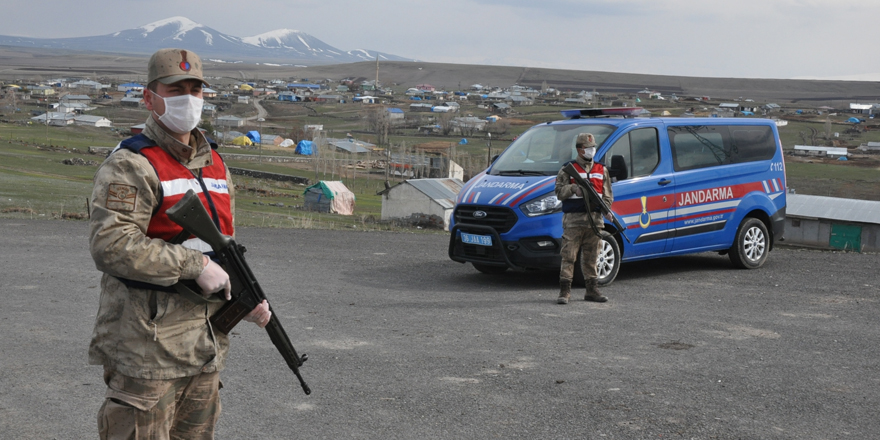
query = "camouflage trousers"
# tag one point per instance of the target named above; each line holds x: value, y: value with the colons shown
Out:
x: 577, y: 234
x: 184, y: 408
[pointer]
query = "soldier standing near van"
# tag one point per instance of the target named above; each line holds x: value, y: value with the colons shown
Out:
x: 579, y: 226
x: 162, y: 358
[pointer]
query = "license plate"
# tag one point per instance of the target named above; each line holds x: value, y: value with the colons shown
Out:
x: 481, y: 240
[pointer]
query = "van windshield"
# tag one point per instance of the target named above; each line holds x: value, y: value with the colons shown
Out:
x: 542, y: 150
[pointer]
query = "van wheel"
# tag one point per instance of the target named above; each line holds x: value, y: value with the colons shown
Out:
x: 749, y: 250
x: 609, y: 260
x: 608, y: 264
x: 493, y: 270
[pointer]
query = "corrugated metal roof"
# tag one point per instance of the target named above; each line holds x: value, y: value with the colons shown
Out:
x: 351, y: 147
x: 442, y: 191
x: 833, y: 208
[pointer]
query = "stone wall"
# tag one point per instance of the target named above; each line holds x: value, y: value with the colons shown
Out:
x: 269, y: 176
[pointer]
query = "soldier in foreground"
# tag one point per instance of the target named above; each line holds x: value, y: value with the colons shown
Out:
x: 160, y: 354
x: 580, y: 225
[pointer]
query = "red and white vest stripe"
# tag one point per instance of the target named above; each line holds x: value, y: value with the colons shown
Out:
x: 596, y: 177
x: 175, y: 180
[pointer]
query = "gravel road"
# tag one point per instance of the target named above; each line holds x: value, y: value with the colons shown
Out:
x: 406, y: 344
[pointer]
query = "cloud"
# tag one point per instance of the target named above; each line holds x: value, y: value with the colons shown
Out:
x: 736, y: 38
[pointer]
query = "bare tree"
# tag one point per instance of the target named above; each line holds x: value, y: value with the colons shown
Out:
x: 444, y: 120
x: 378, y: 122
x: 501, y: 126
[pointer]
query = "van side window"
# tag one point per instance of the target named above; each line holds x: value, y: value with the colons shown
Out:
x: 639, y: 152
x: 752, y: 143
x: 705, y: 146
x: 697, y: 146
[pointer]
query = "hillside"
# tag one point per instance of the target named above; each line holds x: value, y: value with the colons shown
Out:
x: 22, y: 63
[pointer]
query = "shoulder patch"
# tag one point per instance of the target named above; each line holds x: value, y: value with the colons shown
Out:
x: 121, y: 197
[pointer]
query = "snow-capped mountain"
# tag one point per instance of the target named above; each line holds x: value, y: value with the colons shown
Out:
x: 283, y: 45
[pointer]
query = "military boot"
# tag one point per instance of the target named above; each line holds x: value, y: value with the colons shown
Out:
x: 593, y: 292
x: 564, y: 291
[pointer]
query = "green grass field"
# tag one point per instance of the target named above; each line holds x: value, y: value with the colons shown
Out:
x: 34, y: 183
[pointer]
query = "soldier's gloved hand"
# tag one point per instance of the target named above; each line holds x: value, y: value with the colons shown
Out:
x: 578, y: 191
x: 260, y: 315
x: 609, y: 217
x: 214, y: 279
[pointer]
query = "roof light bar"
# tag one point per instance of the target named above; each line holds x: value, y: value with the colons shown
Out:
x: 597, y: 112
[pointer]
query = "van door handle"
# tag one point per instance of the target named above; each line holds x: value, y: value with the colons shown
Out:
x: 664, y: 182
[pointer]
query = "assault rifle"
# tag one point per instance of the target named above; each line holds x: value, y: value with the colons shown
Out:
x: 246, y: 292
x: 592, y: 199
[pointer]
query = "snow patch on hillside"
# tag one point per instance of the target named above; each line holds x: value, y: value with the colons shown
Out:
x: 278, y: 36
x: 183, y: 24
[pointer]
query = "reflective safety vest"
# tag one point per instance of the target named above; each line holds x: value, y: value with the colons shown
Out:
x: 596, y: 177
x: 175, y: 180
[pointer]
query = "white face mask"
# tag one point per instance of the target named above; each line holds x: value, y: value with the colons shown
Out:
x: 182, y: 113
x: 589, y: 152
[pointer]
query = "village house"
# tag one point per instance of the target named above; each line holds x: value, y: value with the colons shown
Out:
x: 75, y: 99
x: 261, y: 91
x: 520, y: 100
x: 131, y: 101
x: 302, y: 86
x: 396, y: 116
x: 500, y: 108
x: 88, y: 84
x: 42, y: 91
x: 832, y: 223
x: 329, y: 98
x: 429, y: 201
x: 366, y: 99
x: 74, y: 107
x: 229, y: 121
x: 92, y: 121
x: 350, y: 145
x: 55, y: 119
x: 129, y: 87
x: 288, y: 96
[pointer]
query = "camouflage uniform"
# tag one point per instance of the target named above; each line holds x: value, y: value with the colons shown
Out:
x: 577, y: 232
x: 150, y: 342
x: 159, y: 409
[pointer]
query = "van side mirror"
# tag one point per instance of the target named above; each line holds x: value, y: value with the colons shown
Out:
x: 618, y: 170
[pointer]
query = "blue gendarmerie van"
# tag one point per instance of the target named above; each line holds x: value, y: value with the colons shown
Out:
x: 681, y: 186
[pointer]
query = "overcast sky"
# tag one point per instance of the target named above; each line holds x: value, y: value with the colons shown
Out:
x: 826, y: 39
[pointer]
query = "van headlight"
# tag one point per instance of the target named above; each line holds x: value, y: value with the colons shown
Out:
x: 546, y: 204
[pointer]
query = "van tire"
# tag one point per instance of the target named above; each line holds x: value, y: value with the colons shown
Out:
x: 491, y: 270
x: 608, y: 265
x: 751, y: 246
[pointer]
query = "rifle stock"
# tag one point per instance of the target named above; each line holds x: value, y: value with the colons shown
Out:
x: 191, y: 214
x: 592, y: 197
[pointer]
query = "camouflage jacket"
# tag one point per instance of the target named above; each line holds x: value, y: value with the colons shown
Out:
x: 565, y: 189
x: 144, y: 333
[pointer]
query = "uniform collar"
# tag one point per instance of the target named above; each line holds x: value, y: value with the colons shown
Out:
x: 195, y: 155
x: 583, y: 162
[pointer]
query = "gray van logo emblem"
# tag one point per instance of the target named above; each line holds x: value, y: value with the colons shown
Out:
x: 480, y: 214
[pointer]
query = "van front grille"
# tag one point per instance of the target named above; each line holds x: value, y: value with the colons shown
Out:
x: 498, y: 218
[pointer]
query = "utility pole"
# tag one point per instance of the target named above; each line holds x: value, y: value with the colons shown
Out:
x: 261, y: 138
x: 489, y: 150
